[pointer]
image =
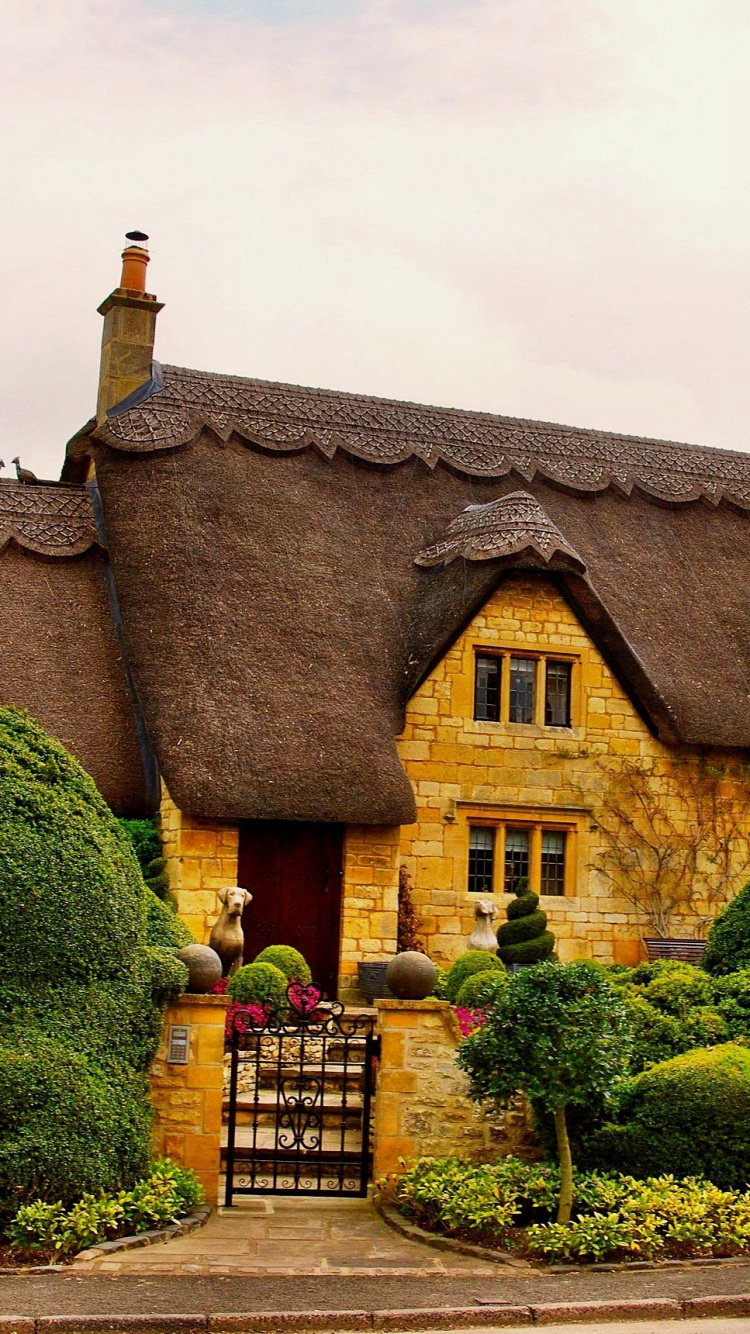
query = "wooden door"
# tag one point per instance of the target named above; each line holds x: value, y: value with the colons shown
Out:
x: 293, y: 871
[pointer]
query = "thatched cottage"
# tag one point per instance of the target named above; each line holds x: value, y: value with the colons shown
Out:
x: 340, y: 638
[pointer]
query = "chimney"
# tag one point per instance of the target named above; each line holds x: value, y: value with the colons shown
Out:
x: 129, y: 327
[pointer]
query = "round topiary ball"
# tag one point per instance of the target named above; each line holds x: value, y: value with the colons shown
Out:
x: 289, y: 961
x: 259, y: 984
x: 411, y: 975
x: 204, y: 967
x: 478, y: 990
x: 474, y: 961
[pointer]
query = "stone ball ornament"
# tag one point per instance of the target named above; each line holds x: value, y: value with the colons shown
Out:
x: 411, y: 975
x: 204, y: 968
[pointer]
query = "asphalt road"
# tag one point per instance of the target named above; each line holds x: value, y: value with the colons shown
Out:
x: 69, y: 1293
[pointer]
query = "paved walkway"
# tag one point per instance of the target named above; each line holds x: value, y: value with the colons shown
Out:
x: 274, y: 1235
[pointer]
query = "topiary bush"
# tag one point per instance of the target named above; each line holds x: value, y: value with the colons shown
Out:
x: 524, y: 938
x: 689, y: 1116
x: 145, y: 837
x: 728, y: 943
x: 81, y: 989
x: 259, y: 984
x: 473, y: 961
x: 478, y: 990
x: 289, y: 962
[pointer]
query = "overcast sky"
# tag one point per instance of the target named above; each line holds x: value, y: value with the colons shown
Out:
x: 535, y: 207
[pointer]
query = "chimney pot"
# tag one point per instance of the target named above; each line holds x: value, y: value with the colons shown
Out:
x: 135, y: 259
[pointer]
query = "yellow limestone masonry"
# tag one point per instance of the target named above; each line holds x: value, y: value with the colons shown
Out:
x: 465, y: 771
x: 201, y: 858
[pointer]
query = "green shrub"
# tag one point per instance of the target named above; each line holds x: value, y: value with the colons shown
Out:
x: 614, y: 1217
x: 288, y: 961
x: 82, y: 991
x: 67, y: 1124
x: 728, y: 944
x: 479, y: 989
x: 688, y: 1115
x: 145, y: 838
x: 441, y: 983
x: 165, y: 1195
x: 524, y: 938
x: 474, y: 961
x: 259, y: 984
x: 163, y: 927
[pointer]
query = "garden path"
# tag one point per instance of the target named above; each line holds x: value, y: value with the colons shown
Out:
x: 284, y: 1235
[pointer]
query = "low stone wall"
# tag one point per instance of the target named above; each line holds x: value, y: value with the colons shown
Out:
x: 188, y: 1098
x: 422, y: 1104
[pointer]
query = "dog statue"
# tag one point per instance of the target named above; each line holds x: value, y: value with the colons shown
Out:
x: 483, y: 937
x: 227, y: 936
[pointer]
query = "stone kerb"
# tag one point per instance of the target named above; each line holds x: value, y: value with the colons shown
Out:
x: 188, y: 1097
x: 421, y: 1101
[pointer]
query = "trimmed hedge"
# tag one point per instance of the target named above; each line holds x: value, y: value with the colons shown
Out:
x: 83, y: 979
x: 478, y: 990
x: 728, y: 944
x: 288, y: 960
x: 473, y: 961
x: 259, y: 984
x: 524, y: 938
x: 689, y: 1116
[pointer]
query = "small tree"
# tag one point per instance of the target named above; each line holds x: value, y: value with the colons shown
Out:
x: 558, y: 1033
x: 408, y: 922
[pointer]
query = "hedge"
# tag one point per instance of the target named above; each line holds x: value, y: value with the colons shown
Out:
x: 84, y: 977
x: 689, y: 1116
x: 728, y: 944
x: 465, y: 966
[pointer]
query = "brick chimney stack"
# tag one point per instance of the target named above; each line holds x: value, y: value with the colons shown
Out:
x: 129, y: 328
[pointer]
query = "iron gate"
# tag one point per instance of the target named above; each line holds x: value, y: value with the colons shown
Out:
x: 300, y: 1095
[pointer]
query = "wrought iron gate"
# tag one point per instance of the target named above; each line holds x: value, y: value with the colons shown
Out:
x: 300, y: 1095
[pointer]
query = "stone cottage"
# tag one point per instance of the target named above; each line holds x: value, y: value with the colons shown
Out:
x: 335, y: 636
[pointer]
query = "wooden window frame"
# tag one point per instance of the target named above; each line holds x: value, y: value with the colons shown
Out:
x: 541, y: 657
x: 536, y: 822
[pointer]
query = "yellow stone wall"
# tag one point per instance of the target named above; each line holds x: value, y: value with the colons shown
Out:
x: 369, y: 908
x: 201, y: 857
x: 421, y: 1098
x: 188, y: 1098
x: 464, y: 770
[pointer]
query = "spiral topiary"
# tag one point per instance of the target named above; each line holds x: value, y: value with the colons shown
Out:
x: 524, y: 938
x: 288, y: 960
x: 474, y: 961
x: 259, y: 984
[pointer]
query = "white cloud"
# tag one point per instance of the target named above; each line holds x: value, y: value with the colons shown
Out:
x: 530, y: 206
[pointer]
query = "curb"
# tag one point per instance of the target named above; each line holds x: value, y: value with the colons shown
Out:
x: 189, y: 1224
x: 397, y: 1322
x: 412, y: 1232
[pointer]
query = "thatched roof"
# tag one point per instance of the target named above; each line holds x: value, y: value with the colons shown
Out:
x: 290, y: 563
x: 60, y: 655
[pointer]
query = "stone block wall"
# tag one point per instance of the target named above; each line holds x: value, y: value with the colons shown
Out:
x: 421, y: 1100
x: 188, y: 1098
x: 201, y: 858
x: 369, y: 908
x: 466, y: 771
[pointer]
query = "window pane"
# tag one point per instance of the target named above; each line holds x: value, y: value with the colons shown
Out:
x: 553, y: 862
x: 487, y: 689
x: 516, y: 858
x: 481, y: 860
x: 557, y: 695
x: 522, y: 674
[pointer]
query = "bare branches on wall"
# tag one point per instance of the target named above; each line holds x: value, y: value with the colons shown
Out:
x: 675, y: 839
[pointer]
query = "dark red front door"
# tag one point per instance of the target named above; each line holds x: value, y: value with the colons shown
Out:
x: 293, y: 872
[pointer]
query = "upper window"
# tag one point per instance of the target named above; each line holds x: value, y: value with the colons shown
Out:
x: 557, y: 694
x: 487, y: 689
x: 522, y: 690
x: 529, y: 690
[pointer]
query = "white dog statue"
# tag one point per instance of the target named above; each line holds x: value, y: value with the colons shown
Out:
x: 227, y: 936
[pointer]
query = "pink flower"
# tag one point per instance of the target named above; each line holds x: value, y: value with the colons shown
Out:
x: 469, y: 1020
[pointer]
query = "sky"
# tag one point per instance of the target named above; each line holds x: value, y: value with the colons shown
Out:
x: 533, y: 207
